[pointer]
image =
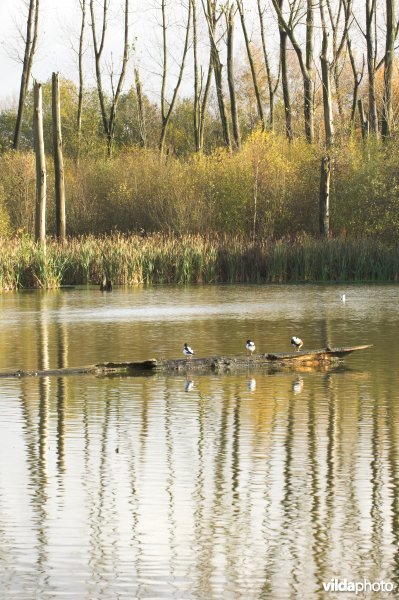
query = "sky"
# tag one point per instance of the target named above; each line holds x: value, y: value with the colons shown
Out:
x: 53, y: 52
x: 58, y: 36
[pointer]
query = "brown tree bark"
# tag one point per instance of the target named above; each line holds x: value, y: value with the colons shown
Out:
x: 387, y: 112
x: 325, y: 79
x: 371, y: 63
x: 304, y: 63
x: 212, y: 20
x: 109, y: 121
x: 344, y: 12
x: 200, y: 95
x: 324, y: 198
x: 41, y: 174
x: 285, y: 86
x: 272, y: 87
x: 140, y: 109
x: 363, y: 120
x: 357, y: 79
x: 60, y: 218
x: 32, y: 25
x: 166, y: 113
x: 80, y: 69
x: 230, y: 74
x: 251, y: 64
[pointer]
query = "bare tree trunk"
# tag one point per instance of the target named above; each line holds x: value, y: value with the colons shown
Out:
x: 58, y: 161
x: 325, y: 78
x: 363, y: 120
x: 272, y: 88
x: 324, y: 198
x: 388, y: 69
x: 41, y: 176
x: 140, y: 109
x: 30, y: 48
x: 210, y: 15
x: 81, y: 80
x: 166, y: 114
x: 204, y: 103
x: 345, y: 8
x: 109, y: 122
x: 284, y: 77
x: 370, y: 43
x: 285, y: 86
x: 305, y: 65
x: 197, y: 83
x: 251, y: 65
x: 200, y: 96
x: 230, y: 74
x: 357, y: 79
x: 307, y: 75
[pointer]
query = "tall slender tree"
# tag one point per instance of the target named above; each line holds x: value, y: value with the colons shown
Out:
x: 109, y: 117
x: 201, y: 92
x: 339, y: 21
x: 212, y: 18
x: 305, y: 62
x: 325, y: 80
x: 357, y: 80
x: 32, y: 26
x: 229, y: 12
x: 251, y: 64
x: 41, y: 172
x: 371, y: 43
x: 140, y: 109
x: 80, y: 70
x: 387, y: 112
x: 60, y: 219
x: 284, y: 77
x: 272, y: 85
x: 166, y: 112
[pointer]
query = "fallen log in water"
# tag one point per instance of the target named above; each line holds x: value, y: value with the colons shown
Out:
x: 272, y: 361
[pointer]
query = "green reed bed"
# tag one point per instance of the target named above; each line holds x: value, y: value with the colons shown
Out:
x: 133, y: 260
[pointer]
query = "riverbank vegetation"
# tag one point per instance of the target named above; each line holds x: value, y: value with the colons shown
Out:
x: 158, y: 258
x: 280, y: 166
x: 267, y: 189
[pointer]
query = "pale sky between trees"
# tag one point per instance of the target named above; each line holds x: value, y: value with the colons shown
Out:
x: 58, y: 35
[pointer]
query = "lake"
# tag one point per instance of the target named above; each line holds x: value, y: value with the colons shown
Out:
x: 245, y: 485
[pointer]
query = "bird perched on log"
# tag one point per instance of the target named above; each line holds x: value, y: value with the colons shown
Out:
x: 187, y: 351
x: 250, y: 346
x: 296, y: 342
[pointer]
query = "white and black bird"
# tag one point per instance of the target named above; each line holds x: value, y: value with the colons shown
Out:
x: 250, y: 346
x: 296, y: 342
x: 187, y: 351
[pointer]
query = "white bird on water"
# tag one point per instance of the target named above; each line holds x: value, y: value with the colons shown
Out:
x: 343, y: 297
x: 187, y: 351
x: 296, y: 342
x: 250, y: 346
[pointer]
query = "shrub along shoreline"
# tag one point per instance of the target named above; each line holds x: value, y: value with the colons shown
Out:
x: 160, y: 258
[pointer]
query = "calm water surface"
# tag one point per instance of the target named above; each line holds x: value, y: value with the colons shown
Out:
x: 246, y: 485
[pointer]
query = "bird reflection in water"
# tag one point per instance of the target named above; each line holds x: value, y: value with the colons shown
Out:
x: 297, y: 386
x: 251, y: 384
x: 188, y: 385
